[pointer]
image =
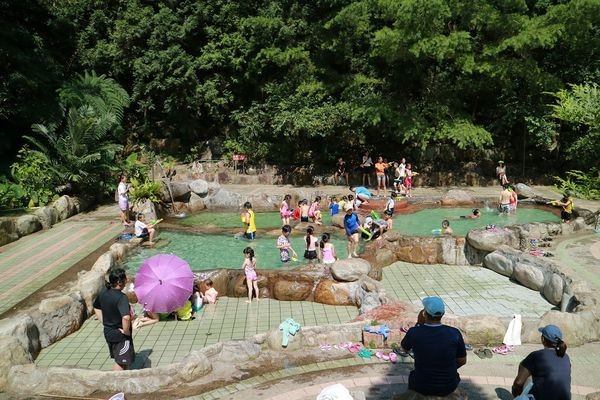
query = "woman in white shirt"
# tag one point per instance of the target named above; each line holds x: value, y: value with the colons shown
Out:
x: 123, y: 199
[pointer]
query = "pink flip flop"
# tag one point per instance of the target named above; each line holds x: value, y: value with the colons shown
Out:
x: 503, y: 350
x: 382, y: 356
x: 393, y: 357
x: 354, y: 348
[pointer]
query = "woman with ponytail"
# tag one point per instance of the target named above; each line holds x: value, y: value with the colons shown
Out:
x: 549, y: 368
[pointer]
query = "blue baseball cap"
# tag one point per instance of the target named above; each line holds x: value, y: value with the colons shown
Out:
x: 434, y: 306
x: 552, y: 333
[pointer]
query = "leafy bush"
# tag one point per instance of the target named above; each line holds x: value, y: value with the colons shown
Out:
x: 12, y: 194
x: 579, y: 184
x: 34, y: 174
x: 148, y: 190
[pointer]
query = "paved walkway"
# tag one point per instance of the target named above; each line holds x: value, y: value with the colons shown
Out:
x: 33, y: 261
x: 379, y: 380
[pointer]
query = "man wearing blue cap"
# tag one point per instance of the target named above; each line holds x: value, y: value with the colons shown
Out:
x: 549, y: 368
x: 439, y: 350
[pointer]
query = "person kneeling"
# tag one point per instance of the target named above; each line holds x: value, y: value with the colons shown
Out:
x: 143, y: 230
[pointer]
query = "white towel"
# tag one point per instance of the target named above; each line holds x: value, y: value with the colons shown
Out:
x: 513, y: 333
x: 335, y: 392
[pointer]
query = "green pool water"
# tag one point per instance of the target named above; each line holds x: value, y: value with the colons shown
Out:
x: 209, y: 251
x: 264, y: 220
x: 422, y: 222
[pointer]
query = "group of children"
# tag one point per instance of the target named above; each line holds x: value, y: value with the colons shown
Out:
x: 186, y: 311
x: 402, y: 176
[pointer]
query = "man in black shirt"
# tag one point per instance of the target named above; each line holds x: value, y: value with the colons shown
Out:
x: 439, y: 351
x: 113, y: 310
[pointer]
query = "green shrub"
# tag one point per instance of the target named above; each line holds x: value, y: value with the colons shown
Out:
x: 149, y: 190
x: 579, y: 184
x: 35, y: 175
x: 12, y: 194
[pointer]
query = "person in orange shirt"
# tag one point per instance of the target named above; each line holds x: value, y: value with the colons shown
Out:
x: 380, y: 167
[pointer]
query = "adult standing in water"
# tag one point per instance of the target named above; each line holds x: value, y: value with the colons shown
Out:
x: 112, y: 309
x: 549, y: 368
x: 123, y: 199
x: 504, y: 200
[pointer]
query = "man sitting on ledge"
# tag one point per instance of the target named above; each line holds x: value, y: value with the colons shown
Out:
x: 439, y: 350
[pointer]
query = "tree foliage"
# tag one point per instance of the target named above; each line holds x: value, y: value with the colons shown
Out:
x: 304, y: 82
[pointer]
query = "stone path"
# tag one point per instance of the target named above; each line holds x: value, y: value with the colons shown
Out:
x: 33, y: 261
x: 379, y: 380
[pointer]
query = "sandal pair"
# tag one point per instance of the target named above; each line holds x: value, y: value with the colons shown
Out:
x: 393, y: 357
x: 483, y: 353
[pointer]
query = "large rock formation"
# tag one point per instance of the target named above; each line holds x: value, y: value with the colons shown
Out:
x: 350, y: 270
x: 524, y: 191
x: 11, y: 353
x: 199, y: 187
x: 28, y: 224
x: 8, y: 230
x: 491, y: 239
x: 534, y: 272
x: 457, y: 197
x: 47, y: 215
x: 65, y: 207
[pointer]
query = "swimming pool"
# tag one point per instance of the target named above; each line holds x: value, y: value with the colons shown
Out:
x: 421, y: 223
x: 210, y: 251
x: 227, y: 220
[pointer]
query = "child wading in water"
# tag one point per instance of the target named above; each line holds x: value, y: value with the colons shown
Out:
x: 311, y: 245
x: 284, y: 210
x: 249, y: 221
x: 249, y: 267
x: 284, y: 245
x: 327, y: 250
x: 314, y: 212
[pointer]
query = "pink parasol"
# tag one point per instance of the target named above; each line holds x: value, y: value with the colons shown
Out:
x: 163, y: 283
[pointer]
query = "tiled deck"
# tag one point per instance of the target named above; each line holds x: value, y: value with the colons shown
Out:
x: 466, y: 290
x: 166, y: 342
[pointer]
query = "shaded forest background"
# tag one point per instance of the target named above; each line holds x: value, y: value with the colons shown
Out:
x: 441, y: 82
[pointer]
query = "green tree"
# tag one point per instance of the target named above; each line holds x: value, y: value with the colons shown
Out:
x: 83, y: 146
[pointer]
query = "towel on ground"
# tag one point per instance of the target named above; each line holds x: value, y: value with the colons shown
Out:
x: 513, y: 333
x: 335, y: 392
x: 288, y: 327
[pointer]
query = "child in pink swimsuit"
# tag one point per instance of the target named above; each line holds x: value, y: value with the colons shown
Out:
x: 249, y: 267
x: 284, y: 210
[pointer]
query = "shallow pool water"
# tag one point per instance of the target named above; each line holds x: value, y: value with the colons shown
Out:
x: 264, y: 220
x: 209, y: 251
x: 421, y: 223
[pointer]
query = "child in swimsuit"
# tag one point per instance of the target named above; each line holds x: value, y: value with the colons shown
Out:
x: 304, y: 208
x: 249, y: 267
x: 314, y: 211
x: 311, y: 245
x: 284, y: 210
x: 327, y: 250
x: 284, y: 245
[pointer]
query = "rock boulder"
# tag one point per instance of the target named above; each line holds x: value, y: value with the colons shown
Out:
x: 457, y: 197
x: 8, y: 230
x: 65, y: 207
x: 524, y: 191
x: 296, y: 290
x: 180, y: 190
x: 334, y: 293
x: 11, y: 353
x: 24, y: 329
x: 199, y: 187
x: 59, y: 317
x: 492, y: 239
x: 47, y: 215
x: 224, y: 199
x: 350, y: 270
x: 195, y: 203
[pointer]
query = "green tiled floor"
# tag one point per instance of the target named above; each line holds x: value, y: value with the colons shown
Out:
x: 466, y: 290
x: 166, y: 342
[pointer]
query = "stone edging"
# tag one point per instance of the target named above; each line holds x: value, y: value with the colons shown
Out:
x: 13, y: 228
